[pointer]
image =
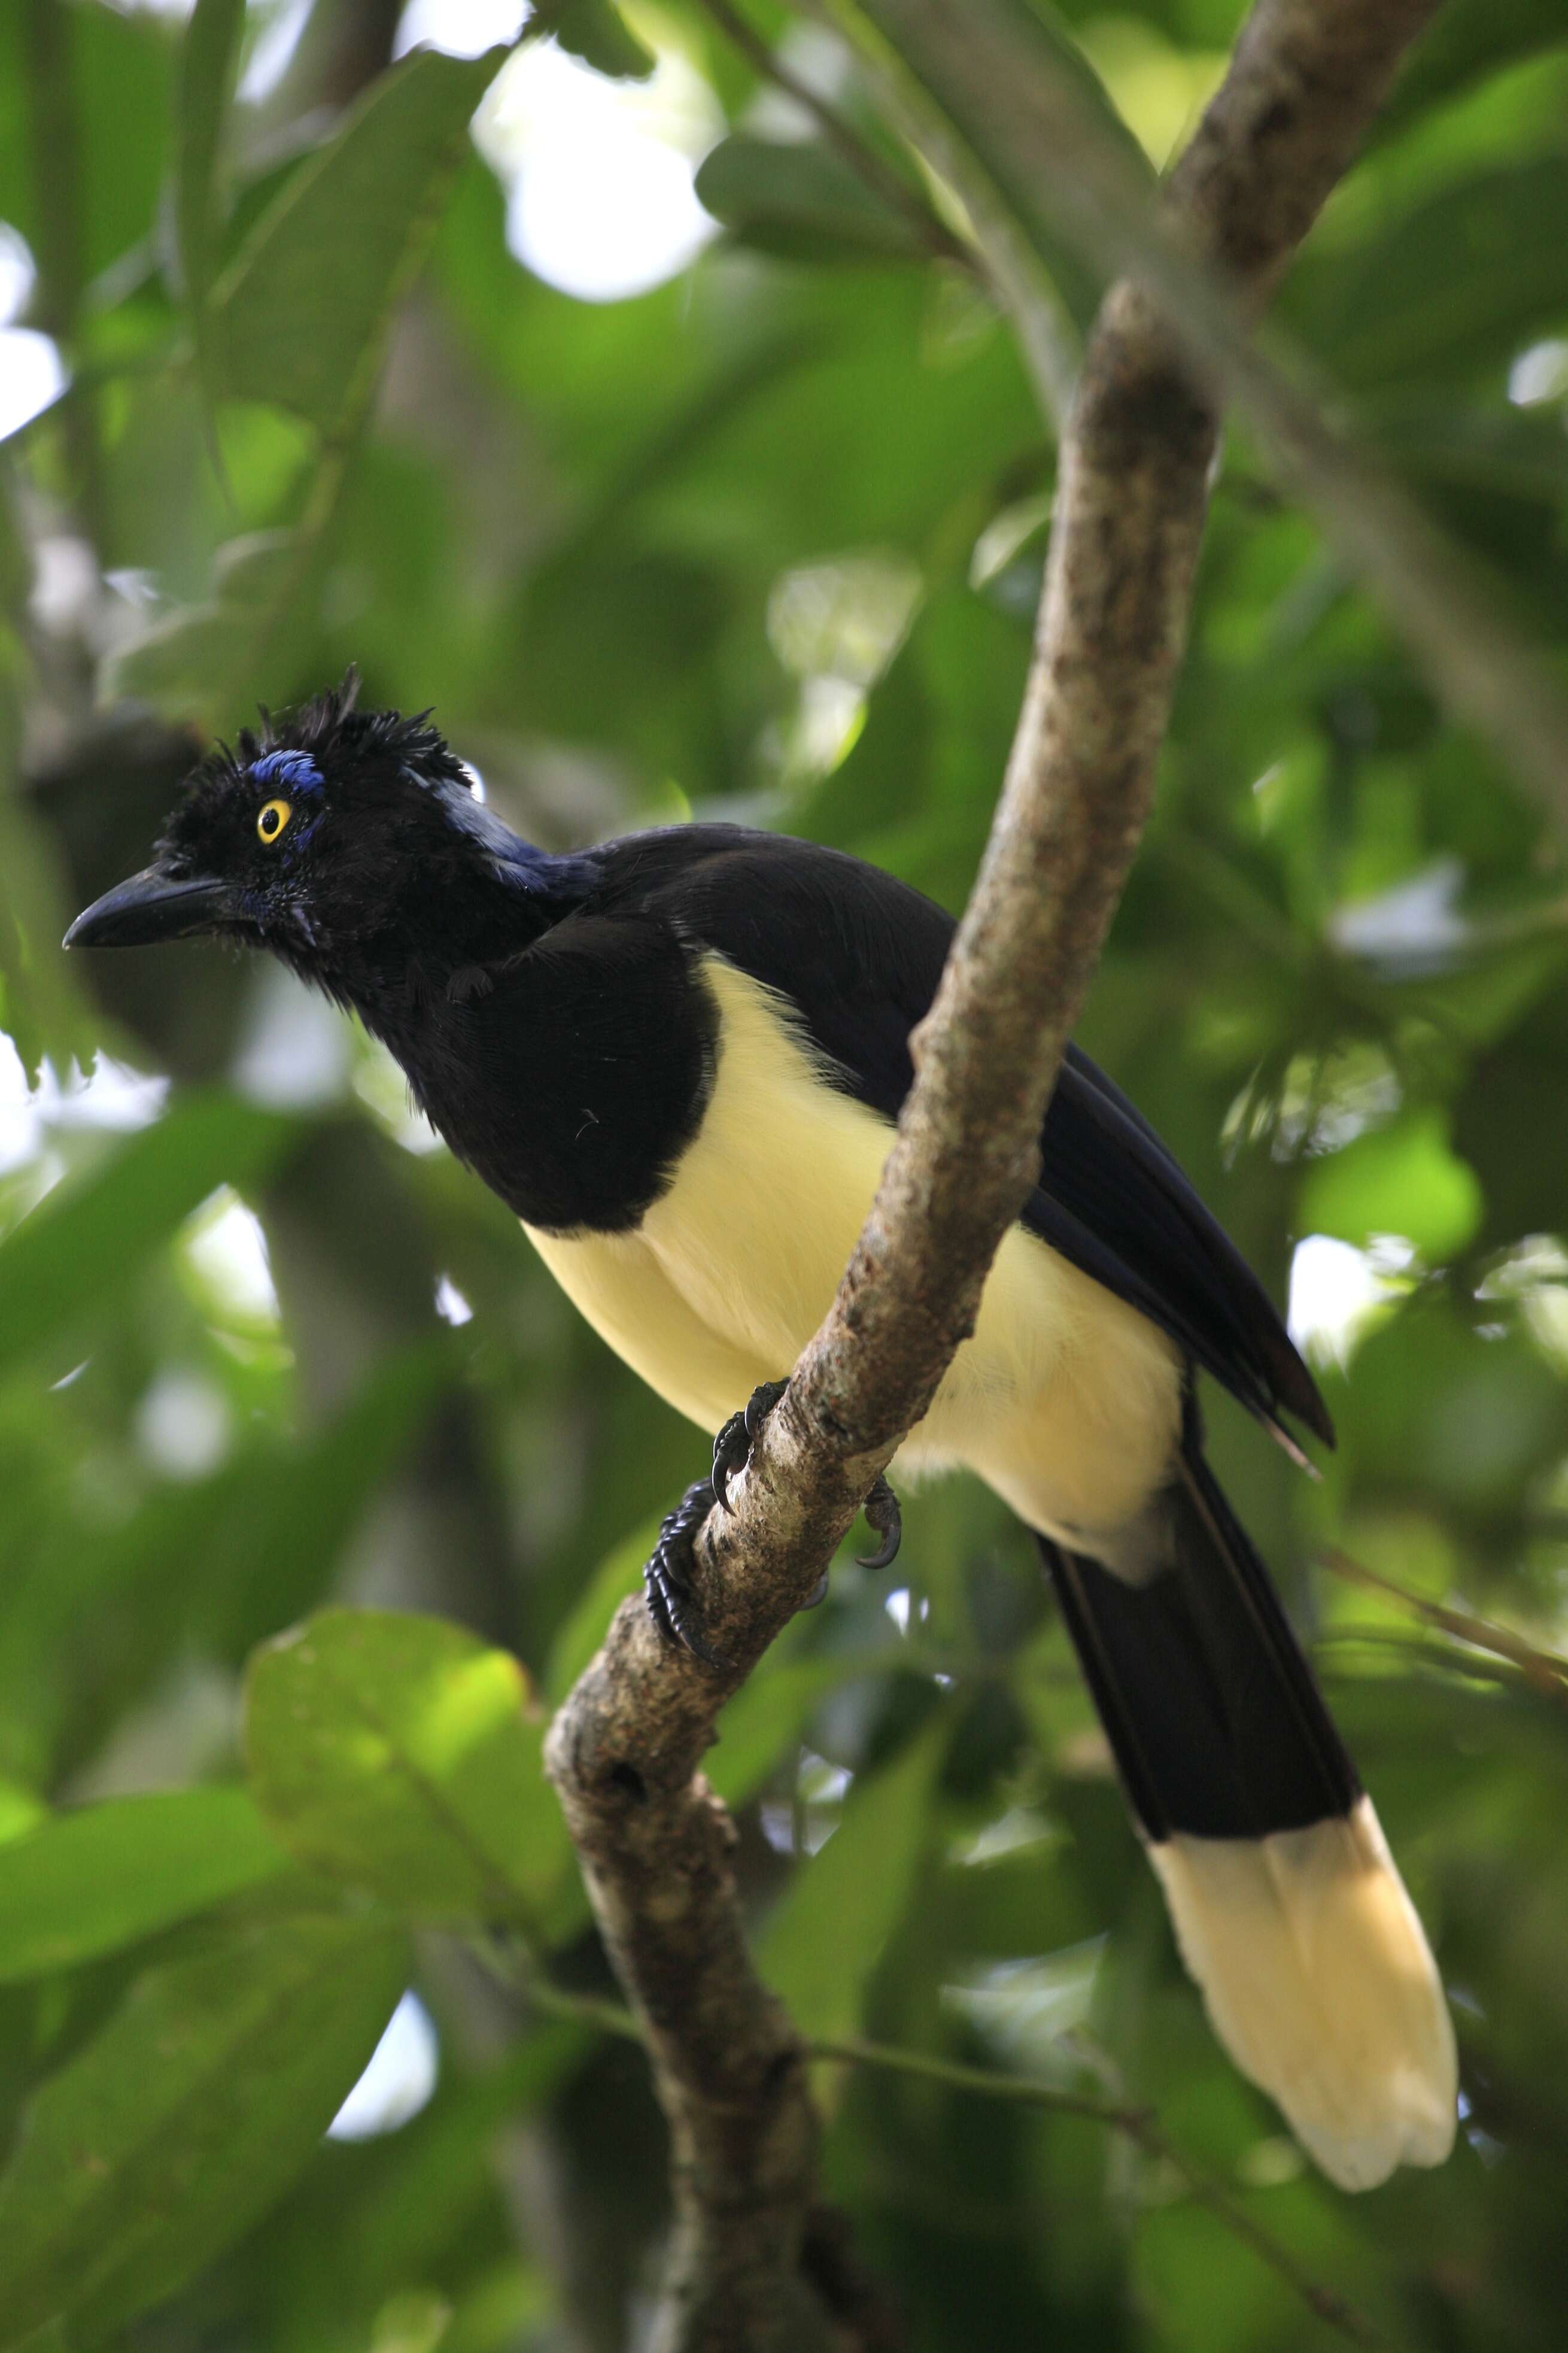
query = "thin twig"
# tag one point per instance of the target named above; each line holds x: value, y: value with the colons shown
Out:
x: 1336, y: 2311
x: 1139, y: 2125
x: 511, y: 1965
x: 1542, y: 1669
x: 846, y: 142
x: 990, y: 2082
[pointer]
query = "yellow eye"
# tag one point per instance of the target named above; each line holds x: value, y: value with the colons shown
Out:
x: 274, y: 816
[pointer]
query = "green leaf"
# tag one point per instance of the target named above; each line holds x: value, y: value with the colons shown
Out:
x: 86, y: 1240
x: 1028, y: 43
x: 1474, y: 1418
x: 596, y: 32
x: 914, y: 792
x: 1058, y: 51
x: 1519, y: 452
x: 1043, y: 49
x: 414, y: 2322
x: 20, y: 1811
x: 1467, y: 39
x: 394, y: 1752
x: 770, y: 1712
x: 99, y: 94
x: 41, y: 1007
x: 15, y: 559
x: 802, y: 201
x: 209, y: 57
x: 821, y: 1944
x: 209, y: 63
x: 280, y: 1526
x: 1403, y: 1179
x: 50, y: 2339
x: 187, y: 2117
x: 300, y: 318
x: 1460, y: 281
x: 182, y: 661
x: 88, y: 1882
x: 210, y: 1567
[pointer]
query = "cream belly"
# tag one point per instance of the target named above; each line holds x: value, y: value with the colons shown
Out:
x: 1066, y: 1400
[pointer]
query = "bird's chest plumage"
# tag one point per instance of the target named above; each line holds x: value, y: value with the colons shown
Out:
x: 572, y: 1080
x: 749, y: 1235
x: 725, y: 1276
x: 683, y: 1162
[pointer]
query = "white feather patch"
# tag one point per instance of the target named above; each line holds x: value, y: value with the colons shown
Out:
x: 1318, y: 1978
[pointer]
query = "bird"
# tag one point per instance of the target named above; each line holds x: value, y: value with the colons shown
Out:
x: 678, y: 1058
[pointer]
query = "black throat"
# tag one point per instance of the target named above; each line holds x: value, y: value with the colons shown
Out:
x: 565, y: 1054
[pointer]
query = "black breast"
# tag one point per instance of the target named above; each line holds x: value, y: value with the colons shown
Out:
x: 572, y: 1078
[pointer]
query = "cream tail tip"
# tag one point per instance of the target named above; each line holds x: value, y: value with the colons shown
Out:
x: 1318, y: 1978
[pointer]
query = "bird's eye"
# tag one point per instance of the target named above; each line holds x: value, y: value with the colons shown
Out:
x: 274, y: 816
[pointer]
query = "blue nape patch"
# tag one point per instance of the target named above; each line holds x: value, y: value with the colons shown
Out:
x: 295, y: 769
x: 512, y: 859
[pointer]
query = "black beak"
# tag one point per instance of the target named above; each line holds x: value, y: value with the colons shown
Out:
x: 152, y: 906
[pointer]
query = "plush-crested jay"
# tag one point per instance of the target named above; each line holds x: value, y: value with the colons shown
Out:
x: 678, y: 1059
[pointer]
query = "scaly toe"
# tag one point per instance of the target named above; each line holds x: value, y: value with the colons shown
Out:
x: 884, y: 1518
x: 732, y: 1447
x: 667, y: 1575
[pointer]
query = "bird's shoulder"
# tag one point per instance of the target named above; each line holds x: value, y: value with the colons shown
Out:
x: 810, y: 914
x: 857, y: 953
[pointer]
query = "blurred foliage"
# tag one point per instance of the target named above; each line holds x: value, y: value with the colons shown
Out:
x: 764, y: 538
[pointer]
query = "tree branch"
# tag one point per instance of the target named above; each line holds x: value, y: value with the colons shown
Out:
x: 625, y: 1748
x: 1544, y: 1671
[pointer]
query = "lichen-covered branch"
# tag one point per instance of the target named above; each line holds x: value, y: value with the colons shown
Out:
x: 626, y: 1746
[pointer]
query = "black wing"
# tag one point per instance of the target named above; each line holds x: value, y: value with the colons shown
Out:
x: 859, y: 954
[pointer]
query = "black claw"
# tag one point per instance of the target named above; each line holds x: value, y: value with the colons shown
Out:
x: 884, y: 1517
x: 732, y: 1447
x: 667, y: 1576
x: 669, y: 1573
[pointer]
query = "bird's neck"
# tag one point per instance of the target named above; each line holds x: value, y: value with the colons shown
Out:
x: 460, y: 918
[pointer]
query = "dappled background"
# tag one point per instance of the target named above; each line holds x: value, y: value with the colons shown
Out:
x: 701, y: 476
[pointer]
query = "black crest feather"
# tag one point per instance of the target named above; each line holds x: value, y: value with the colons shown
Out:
x: 335, y: 731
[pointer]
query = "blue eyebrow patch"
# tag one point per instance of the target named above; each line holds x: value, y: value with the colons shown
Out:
x: 295, y: 769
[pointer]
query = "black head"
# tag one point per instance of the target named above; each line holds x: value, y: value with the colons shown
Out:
x: 349, y: 842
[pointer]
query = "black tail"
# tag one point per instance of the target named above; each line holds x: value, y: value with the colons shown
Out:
x: 1212, y: 1712
x: 1287, y: 1906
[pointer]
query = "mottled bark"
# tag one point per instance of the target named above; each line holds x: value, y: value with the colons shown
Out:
x: 626, y: 1747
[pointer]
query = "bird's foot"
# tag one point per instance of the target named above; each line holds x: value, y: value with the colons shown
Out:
x: 732, y: 1451
x: 668, y: 1574
x: 732, y: 1447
